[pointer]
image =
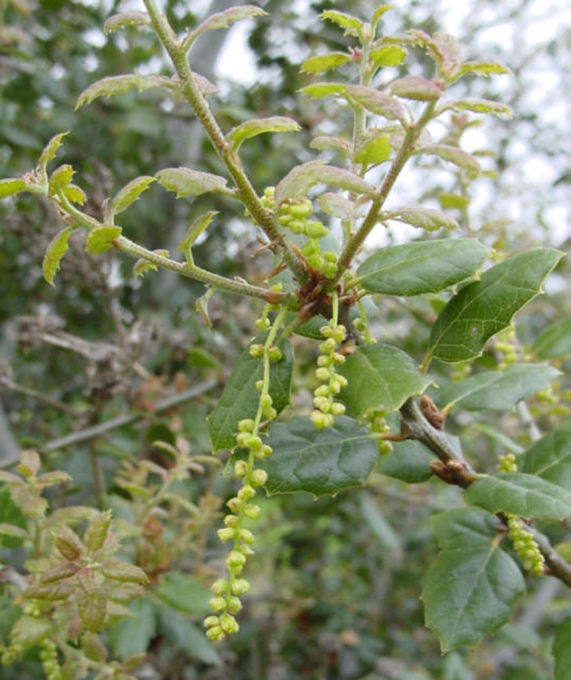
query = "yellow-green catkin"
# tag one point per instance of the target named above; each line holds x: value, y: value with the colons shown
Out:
x: 226, y: 602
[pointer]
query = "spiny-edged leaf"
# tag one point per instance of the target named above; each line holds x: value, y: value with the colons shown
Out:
x: 455, y: 201
x: 389, y: 55
x: 182, y: 633
x: 416, y: 87
x: 187, y: 182
x: 562, y: 650
x: 382, y: 377
x: 484, y: 308
x: 100, y: 239
x: 325, y: 62
x: 253, y: 128
x: 132, y: 634
x: 554, y: 341
x: 351, y: 24
x: 377, y: 102
x: 55, y: 251
x: 378, y: 13
x: 481, y: 68
x: 119, y: 21
x: 423, y: 218
x: 300, y: 180
x: 452, y: 154
x: 479, y: 106
x: 29, y: 630
x: 240, y: 397
x: 328, y: 143
x: 195, y: 229
x: 373, y: 151
x: 338, y: 206
x: 520, y: 494
x: 48, y: 154
x: 471, y: 590
x: 71, y: 515
x: 60, y: 178
x: 409, y: 461
x: 129, y: 194
x: 225, y: 20
x: 11, y: 187
x: 422, y: 267
x: 143, y: 266
x: 550, y: 458
x: 113, y: 85
x: 318, y: 461
x: 74, y: 194
x: 498, y: 390
x: 319, y: 90
x: 442, y: 48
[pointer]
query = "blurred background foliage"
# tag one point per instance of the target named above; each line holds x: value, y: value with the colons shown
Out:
x: 335, y: 582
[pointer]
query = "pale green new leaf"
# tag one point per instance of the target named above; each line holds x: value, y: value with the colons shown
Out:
x: 520, y: 494
x: 389, y: 55
x: 338, y: 206
x: 498, y: 390
x: 301, y: 178
x: 187, y: 182
x: 240, y: 397
x: 550, y: 458
x: 562, y: 650
x: 30, y: 630
x: 484, y: 308
x: 351, y: 24
x: 100, y: 239
x: 11, y: 187
x: 378, y: 13
x: 129, y: 194
x: 325, y: 62
x: 60, y: 178
x: 48, y: 154
x: 328, y: 143
x: 452, y: 154
x: 471, y: 590
x: 119, y: 21
x: 373, y: 151
x: 481, y: 68
x: 319, y: 90
x: 74, y: 194
x: 382, y: 377
x: 195, y: 229
x: 423, y: 218
x: 224, y: 20
x: 253, y: 128
x: 318, y: 461
x: 421, y: 267
x: 114, y: 85
x: 416, y: 87
x: 554, y: 341
x: 478, y: 106
x: 141, y: 266
x: 55, y: 251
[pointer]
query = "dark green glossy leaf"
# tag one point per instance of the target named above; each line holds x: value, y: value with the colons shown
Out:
x: 409, y: 461
x: 240, y: 397
x: 520, y: 494
x: 550, y: 458
x: 318, y: 461
x: 562, y: 650
x: 498, y: 390
x: 382, y: 377
x: 471, y: 590
x: 484, y: 308
x: 183, y: 634
x: 423, y: 267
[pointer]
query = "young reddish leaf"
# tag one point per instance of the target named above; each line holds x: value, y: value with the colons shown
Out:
x: 12, y: 530
x: 252, y: 128
x: 187, y: 182
x: 388, y: 55
x: 129, y: 194
x: 68, y: 543
x: 100, y: 239
x: 351, y: 24
x: 50, y: 592
x: 478, y: 106
x: 325, y: 62
x: 113, y: 85
x: 423, y: 218
x: 30, y: 463
x: 377, y: 102
x: 124, y: 572
x: 55, y: 251
x: 452, y: 154
x: 338, y: 206
x: 11, y: 187
x: 59, y: 572
x: 416, y: 87
x: 92, y: 608
x: 97, y: 531
x: 319, y: 90
x: 53, y: 478
x: 119, y: 21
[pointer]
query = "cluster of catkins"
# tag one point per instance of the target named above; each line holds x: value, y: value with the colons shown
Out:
x: 326, y: 408
x: 525, y: 546
x: 376, y: 419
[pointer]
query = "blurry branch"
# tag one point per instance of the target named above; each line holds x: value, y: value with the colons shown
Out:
x: 452, y: 470
x: 28, y: 392
x: 120, y: 421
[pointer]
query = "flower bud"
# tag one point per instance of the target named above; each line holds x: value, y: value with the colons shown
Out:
x: 257, y: 351
x: 322, y: 374
x: 266, y: 451
x: 322, y: 391
x: 246, y: 492
x: 240, y: 468
x: 226, y: 534
x: 316, y: 229
x: 218, y: 604
x: 323, y: 360
x: 330, y: 256
x: 235, y: 504
x: 234, y: 605
x: 219, y: 587
x: 323, y: 404
x: 215, y: 634
x: 254, y: 443
x: 231, y: 521
x: 297, y: 226
x: 240, y: 586
x: 274, y: 353
x: 329, y: 269
x: 242, y: 438
x: 315, y: 261
x: 266, y: 401
x: 319, y: 419
x: 263, y: 324
x: 300, y: 210
x: 246, y: 536
x: 284, y: 220
x: 229, y: 624
x: 259, y: 477
x: 259, y: 385
x: 210, y: 621
x: 338, y: 409
x: 234, y: 559
x: 252, y: 511
x: 327, y: 346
